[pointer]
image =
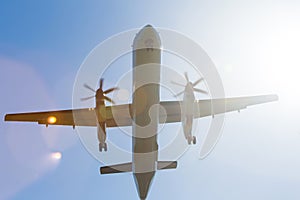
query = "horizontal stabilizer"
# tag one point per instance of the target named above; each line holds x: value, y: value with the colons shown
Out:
x: 127, y: 167
x: 161, y: 165
x: 121, y: 168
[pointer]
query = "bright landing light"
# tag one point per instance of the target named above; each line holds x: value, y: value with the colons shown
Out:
x: 51, y: 120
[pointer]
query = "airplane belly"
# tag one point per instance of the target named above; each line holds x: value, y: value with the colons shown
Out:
x: 145, y: 109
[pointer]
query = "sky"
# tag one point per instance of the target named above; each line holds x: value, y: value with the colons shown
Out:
x: 254, y: 46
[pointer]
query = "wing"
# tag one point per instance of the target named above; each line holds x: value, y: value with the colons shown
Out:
x: 120, y: 115
x: 115, y: 116
x: 218, y: 106
x: 171, y: 111
x: 61, y: 117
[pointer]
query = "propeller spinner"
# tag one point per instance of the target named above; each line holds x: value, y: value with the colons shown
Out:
x: 190, y: 85
x: 100, y: 94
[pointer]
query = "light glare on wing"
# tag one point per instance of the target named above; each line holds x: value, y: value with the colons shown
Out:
x: 52, y: 119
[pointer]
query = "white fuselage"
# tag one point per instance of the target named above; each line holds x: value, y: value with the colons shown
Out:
x: 145, y: 109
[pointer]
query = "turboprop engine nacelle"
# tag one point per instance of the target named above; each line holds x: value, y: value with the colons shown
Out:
x: 100, y: 98
x: 188, y: 103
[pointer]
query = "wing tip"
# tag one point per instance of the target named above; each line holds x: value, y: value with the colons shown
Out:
x: 6, y: 117
x: 273, y: 97
x: 10, y: 117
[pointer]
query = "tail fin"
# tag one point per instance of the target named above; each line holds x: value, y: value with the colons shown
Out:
x: 127, y: 167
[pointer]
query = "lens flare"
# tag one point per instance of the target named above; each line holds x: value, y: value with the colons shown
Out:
x: 56, y: 155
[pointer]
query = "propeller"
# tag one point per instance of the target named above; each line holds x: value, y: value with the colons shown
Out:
x: 88, y: 87
x: 101, y: 91
x: 175, y: 83
x: 87, y: 98
x: 190, y: 83
x: 186, y: 76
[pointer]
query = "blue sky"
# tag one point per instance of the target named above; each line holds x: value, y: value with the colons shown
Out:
x: 254, y: 45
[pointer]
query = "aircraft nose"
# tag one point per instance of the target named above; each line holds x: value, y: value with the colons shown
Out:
x: 147, y: 38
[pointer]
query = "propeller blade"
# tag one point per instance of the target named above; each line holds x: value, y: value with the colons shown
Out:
x: 179, y: 94
x: 88, y: 87
x: 186, y: 76
x: 175, y: 83
x: 197, y: 82
x: 110, y: 90
x: 86, y: 98
x: 101, y: 83
x: 109, y: 99
x: 200, y: 91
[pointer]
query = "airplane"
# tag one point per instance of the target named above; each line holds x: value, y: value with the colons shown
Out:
x: 146, y: 55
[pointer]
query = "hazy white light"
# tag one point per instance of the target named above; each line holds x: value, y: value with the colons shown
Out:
x: 228, y: 68
x: 123, y: 95
x: 56, y: 155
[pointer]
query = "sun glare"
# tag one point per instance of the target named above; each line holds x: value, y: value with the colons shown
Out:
x: 280, y: 50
